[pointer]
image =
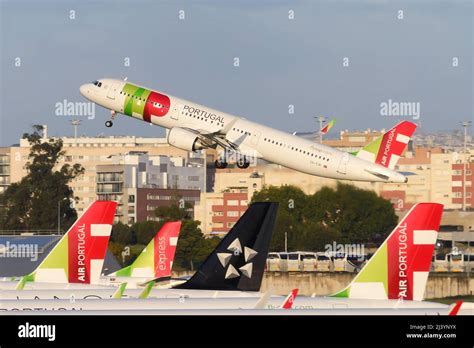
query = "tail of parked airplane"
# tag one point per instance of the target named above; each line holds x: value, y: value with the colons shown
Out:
x: 79, y: 256
x: 290, y: 299
x: 399, y: 269
x: 156, y: 260
x: 327, y: 127
x: 387, y: 149
x: 239, y: 260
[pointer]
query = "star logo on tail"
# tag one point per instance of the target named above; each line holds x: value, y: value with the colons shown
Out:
x: 235, y: 248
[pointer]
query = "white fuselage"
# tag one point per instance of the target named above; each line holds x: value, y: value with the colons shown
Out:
x: 207, y: 303
x: 253, y: 139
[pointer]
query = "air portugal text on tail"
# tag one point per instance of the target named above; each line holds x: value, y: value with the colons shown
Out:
x: 79, y: 256
x: 399, y: 269
x: 194, y: 127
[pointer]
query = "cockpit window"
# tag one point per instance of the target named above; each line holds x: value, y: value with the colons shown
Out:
x: 100, y: 84
x: 95, y: 83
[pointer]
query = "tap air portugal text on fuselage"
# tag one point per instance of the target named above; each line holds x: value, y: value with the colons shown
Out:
x: 193, y: 127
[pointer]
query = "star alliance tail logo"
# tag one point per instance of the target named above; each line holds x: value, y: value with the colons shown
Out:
x: 235, y: 248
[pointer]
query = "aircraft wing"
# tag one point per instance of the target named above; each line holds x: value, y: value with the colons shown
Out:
x: 219, y: 138
x: 215, y: 138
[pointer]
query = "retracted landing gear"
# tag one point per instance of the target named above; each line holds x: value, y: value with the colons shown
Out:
x: 110, y: 123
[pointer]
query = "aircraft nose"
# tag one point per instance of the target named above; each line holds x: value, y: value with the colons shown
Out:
x: 85, y: 89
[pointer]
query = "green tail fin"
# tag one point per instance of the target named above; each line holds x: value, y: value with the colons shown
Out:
x: 120, y: 290
x: 146, y: 292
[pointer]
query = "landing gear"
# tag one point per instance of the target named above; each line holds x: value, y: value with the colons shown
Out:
x: 220, y: 164
x: 243, y: 162
x: 110, y: 123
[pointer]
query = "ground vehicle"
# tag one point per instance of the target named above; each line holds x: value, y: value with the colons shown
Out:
x: 273, y: 262
x: 440, y: 263
x: 323, y: 262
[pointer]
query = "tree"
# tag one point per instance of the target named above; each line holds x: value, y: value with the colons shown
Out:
x: 359, y: 215
x: 290, y: 219
x: 122, y: 234
x: 173, y: 212
x: 146, y: 230
x: 33, y: 202
x: 345, y: 215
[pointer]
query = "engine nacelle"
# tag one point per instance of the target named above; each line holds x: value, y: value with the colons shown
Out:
x: 184, y: 139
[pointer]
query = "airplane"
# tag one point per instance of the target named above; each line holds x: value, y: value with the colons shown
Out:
x: 76, y: 260
x: 154, y: 262
x: 327, y: 127
x: 455, y: 309
x: 195, y: 127
x: 234, y: 268
x: 394, y: 278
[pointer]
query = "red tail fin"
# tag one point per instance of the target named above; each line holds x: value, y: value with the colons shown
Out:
x: 165, y: 248
x: 456, y: 308
x: 87, y: 242
x: 409, y: 251
x: 290, y: 299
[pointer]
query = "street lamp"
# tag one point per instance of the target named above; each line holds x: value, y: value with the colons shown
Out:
x: 75, y: 123
x: 321, y: 120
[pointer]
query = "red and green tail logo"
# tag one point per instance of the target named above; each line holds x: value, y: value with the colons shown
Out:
x: 399, y: 269
x: 79, y: 255
x: 156, y: 260
x: 144, y: 103
x: 387, y: 149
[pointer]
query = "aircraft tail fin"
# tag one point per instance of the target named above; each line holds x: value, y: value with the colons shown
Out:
x: 156, y: 260
x: 263, y: 300
x: 387, y: 149
x: 454, y: 310
x: 399, y: 268
x: 239, y: 260
x: 146, y: 291
x: 289, y: 300
x: 79, y: 256
x: 120, y: 290
x: 327, y: 127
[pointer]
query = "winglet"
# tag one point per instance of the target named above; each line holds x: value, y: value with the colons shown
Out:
x: 455, y: 308
x: 120, y: 290
x: 146, y: 292
x: 290, y: 299
x: 262, y: 302
x: 21, y: 283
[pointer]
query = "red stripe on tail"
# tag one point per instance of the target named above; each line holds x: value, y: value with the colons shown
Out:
x: 405, y: 257
x: 82, y: 247
x: 164, y: 249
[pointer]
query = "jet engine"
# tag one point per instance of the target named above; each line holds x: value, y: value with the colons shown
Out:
x: 185, y: 140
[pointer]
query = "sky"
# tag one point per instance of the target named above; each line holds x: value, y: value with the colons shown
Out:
x: 338, y: 58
